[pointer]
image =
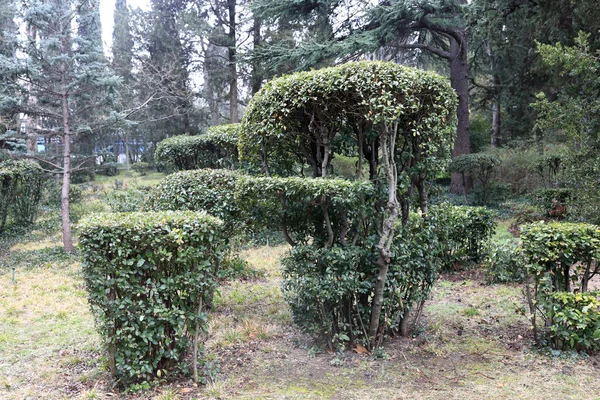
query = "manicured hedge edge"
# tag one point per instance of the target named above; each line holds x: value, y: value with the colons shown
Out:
x: 215, y: 149
x: 147, y: 276
x: 210, y: 190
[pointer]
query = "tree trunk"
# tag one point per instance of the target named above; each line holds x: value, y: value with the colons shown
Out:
x: 387, y: 232
x: 65, y: 204
x: 459, y: 79
x: 257, y: 78
x: 233, y: 87
x: 495, y: 142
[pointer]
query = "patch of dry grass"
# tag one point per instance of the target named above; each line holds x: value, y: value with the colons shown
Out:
x: 472, y: 344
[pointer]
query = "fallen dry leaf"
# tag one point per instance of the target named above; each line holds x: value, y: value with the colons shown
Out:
x: 360, y: 349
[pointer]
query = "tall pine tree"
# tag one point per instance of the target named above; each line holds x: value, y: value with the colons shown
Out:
x: 65, y: 77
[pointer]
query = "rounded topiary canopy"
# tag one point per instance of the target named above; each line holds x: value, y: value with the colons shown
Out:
x: 396, y: 120
x: 297, y: 113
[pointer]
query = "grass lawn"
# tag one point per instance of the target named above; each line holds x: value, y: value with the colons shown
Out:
x: 473, y: 341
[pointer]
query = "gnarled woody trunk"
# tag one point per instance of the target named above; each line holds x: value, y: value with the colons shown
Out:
x: 388, y: 141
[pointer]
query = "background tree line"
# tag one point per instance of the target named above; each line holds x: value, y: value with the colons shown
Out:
x: 184, y: 65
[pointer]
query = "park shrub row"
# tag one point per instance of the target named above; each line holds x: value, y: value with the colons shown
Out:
x: 561, y: 259
x: 557, y: 261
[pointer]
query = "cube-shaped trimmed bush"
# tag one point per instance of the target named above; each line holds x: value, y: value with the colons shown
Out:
x: 148, y: 276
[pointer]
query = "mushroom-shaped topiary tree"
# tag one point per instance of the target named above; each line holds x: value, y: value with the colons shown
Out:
x: 399, y: 122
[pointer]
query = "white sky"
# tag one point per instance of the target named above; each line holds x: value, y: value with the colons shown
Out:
x: 106, y: 17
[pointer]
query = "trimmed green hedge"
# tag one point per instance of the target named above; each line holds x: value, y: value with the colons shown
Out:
x: 21, y: 189
x: 211, y: 190
x: 324, y: 210
x: 148, y: 276
x: 575, y: 321
x: 562, y: 258
x: 215, y: 149
x: 464, y: 231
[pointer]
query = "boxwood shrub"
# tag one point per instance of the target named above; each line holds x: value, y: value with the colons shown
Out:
x: 148, y: 276
x: 215, y: 149
x: 211, y: 190
x: 329, y: 289
x: 21, y: 190
x: 561, y: 258
x: 464, y: 232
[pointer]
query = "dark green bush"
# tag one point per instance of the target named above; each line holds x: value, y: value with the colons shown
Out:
x: 553, y: 200
x: 148, y: 276
x: 329, y: 289
x: 127, y: 200
x: 298, y: 206
x: 211, y: 190
x: 21, y: 191
x: 107, y: 169
x: 560, y: 257
x: 481, y: 167
x: 141, y: 167
x: 575, y: 321
x: 215, y: 149
x: 505, y: 262
x: 464, y: 232
x: 396, y: 123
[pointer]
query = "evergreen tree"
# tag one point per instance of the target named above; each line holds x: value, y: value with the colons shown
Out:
x: 122, y: 44
x: 9, y: 139
x: 62, y: 78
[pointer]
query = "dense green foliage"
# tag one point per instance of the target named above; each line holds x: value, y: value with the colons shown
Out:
x: 307, y: 115
x: 575, y: 321
x: 480, y: 166
x: 505, y: 262
x: 325, y: 211
x: 215, y: 149
x: 148, y: 276
x: 21, y: 190
x: 560, y: 258
x: 464, y: 232
x: 329, y: 288
x: 396, y: 121
x: 127, y: 200
x: 199, y: 190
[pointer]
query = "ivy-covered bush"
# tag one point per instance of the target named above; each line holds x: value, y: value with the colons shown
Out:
x: 560, y: 257
x: 21, y: 190
x: 148, y: 276
x: 464, y: 232
x: 211, y: 190
x: 215, y: 149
